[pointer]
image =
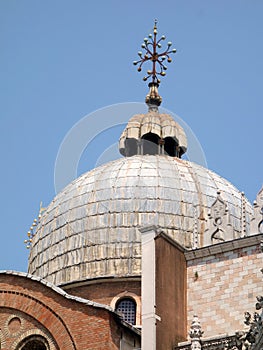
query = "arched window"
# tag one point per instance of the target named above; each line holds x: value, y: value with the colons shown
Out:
x: 127, y: 308
x: 34, y: 345
x: 34, y: 342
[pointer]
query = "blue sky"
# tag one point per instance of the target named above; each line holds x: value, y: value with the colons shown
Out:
x: 61, y: 60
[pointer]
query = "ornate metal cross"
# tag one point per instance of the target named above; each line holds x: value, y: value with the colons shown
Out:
x: 150, y: 46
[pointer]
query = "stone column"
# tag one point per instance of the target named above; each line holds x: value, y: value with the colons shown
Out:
x: 148, y: 288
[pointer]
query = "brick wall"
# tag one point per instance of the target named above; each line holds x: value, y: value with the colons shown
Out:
x: 16, y: 325
x: 104, y: 292
x: 222, y: 286
x: 170, y: 293
x: 29, y: 307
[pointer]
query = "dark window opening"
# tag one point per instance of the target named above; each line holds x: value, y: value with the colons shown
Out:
x: 131, y: 147
x: 170, y: 147
x: 34, y: 345
x: 150, y: 143
x: 34, y: 342
x: 127, y: 308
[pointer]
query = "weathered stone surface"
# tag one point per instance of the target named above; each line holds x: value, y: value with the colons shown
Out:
x: 90, y: 229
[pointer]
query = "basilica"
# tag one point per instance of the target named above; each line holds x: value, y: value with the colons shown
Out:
x: 150, y: 251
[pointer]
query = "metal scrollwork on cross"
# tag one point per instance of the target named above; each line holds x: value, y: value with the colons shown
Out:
x: 150, y: 46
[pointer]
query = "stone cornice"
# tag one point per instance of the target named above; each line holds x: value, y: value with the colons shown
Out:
x: 224, y: 247
x: 220, y: 342
x: 144, y: 229
x: 99, y: 280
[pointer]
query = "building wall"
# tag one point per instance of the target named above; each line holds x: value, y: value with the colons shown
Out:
x: 29, y: 307
x: 222, y: 286
x: 17, y: 325
x: 170, y: 293
x: 103, y: 292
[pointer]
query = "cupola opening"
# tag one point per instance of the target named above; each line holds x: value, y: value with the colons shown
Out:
x: 150, y: 144
x: 171, y: 147
x: 131, y: 147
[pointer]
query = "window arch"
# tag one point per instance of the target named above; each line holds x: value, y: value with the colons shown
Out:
x: 34, y: 342
x: 127, y: 308
x: 135, y: 298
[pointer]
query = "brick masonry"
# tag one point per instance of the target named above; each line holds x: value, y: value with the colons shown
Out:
x: 29, y: 307
x: 105, y: 292
x: 221, y: 287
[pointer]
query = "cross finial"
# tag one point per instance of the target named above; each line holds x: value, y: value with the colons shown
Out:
x: 150, y: 46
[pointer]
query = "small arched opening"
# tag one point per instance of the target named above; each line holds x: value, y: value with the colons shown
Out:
x: 171, y: 147
x: 131, y: 147
x: 150, y: 143
x: 34, y: 342
x: 127, y: 308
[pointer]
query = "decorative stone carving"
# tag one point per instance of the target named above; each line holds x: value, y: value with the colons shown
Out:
x: 195, y: 334
x: 217, y: 343
x: 195, y: 243
x: 241, y: 342
x: 257, y: 221
x: 253, y: 337
x: 219, y: 226
x: 244, y: 229
x: 249, y: 339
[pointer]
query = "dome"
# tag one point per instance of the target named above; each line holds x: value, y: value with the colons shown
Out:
x: 91, y: 228
x: 153, y: 132
x: 146, y: 127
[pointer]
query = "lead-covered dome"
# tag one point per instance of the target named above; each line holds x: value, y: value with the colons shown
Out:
x: 91, y: 228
